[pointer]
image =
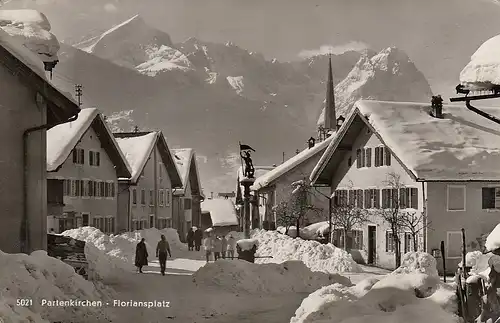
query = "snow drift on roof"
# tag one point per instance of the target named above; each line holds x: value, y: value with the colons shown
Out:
x: 222, y: 212
x: 484, y: 66
x: 137, y: 151
x: 62, y: 139
x: 32, y: 29
x: 291, y: 163
x: 461, y: 146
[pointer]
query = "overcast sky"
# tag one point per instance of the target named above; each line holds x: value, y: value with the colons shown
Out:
x: 438, y: 35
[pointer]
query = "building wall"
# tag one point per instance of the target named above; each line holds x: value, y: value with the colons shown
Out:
x: 123, y: 220
x: 351, y: 177
x: 144, y: 212
x: 95, y: 207
x: 282, y: 188
x: 446, y: 225
x: 19, y: 112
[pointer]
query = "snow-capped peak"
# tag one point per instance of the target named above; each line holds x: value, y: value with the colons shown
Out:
x: 236, y: 82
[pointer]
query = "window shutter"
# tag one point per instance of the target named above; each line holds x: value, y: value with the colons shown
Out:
x: 82, y: 156
x: 75, y: 156
x: 363, y: 161
x: 91, y: 188
x: 414, y: 198
x: 360, y: 199
x: 367, y: 199
x: 377, y: 160
x: 387, y: 241
x: 358, y: 158
x: 402, y: 198
x: 377, y: 198
x: 385, y: 203
x: 91, y: 158
x: 488, y: 198
x: 387, y: 156
x: 368, y: 157
x: 98, y: 159
x: 352, y: 197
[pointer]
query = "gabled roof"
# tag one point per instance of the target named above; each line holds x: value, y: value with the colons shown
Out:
x: 462, y: 146
x: 62, y: 139
x: 29, y: 68
x: 185, y: 160
x: 137, y: 148
x: 222, y: 211
x: 297, y: 160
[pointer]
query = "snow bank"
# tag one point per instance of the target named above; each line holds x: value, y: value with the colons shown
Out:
x: 243, y: 276
x: 109, y: 256
x: 39, y: 277
x: 418, y: 262
x: 314, y: 231
x: 247, y: 244
x: 411, y: 294
x: 484, y: 66
x: 493, y: 239
x: 319, y: 257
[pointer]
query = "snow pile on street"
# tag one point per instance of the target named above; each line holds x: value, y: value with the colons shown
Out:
x: 247, y: 244
x: 109, y: 256
x: 493, y: 239
x: 314, y: 231
x: 402, y: 296
x: 483, y: 70
x: 418, y: 262
x: 243, y: 276
x: 222, y: 211
x: 316, y: 256
x: 38, y: 277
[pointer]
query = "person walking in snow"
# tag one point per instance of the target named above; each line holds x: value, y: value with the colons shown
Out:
x: 231, y: 242
x: 217, y: 248
x: 141, y: 255
x: 208, y: 245
x: 198, y: 236
x: 190, y: 239
x: 224, y: 247
x: 162, y: 248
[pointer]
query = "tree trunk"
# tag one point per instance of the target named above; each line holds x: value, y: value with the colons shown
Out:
x: 397, y: 242
x: 415, y: 243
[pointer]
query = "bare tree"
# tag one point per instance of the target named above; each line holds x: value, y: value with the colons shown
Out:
x: 413, y: 222
x: 348, y: 217
x: 391, y: 214
x: 284, y: 216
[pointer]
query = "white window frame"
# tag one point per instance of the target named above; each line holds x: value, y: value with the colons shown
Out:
x: 97, y: 192
x: 448, y: 233
x: 495, y: 186
x: 78, y: 159
x: 464, y: 187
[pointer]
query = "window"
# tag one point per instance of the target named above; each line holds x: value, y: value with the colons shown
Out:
x: 187, y: 204
x: 151, y: 198
x: 167, y: 197
x: 352, y: 198
x: 168, y: 223
x: 390, y: 243
x: 456, y: 198
x: 134, y: 196
x: 454, y: 244
x: 368, y: 157
x: 161, y: 197
x: 408, y: 197
x: 340, y: 198
x: 357, y: 239
x: 91, y: 188
x: 359, y: 199
x: 78, y: 188
x: 102, y: 189
x: 372, y: 198
x: 491, y: 198
x: 338, y: 238
x: 408, y: 242
x: 349, y: 162
x: 390, y: 198
x: 67, y: 187
x: 112, y: 189
x: 143, y: 197
x: 78, y: 156
x: 94, y: 158
x: 85, y: 188
x: 382, y: 156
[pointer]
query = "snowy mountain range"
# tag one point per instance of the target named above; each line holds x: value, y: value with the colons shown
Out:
x: 209, y: 96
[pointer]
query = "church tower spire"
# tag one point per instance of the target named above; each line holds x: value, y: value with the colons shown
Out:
x: 330, y: 115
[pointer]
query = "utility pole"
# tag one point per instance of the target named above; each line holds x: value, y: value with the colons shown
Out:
x: 79, y: 93
x: 283, y: 157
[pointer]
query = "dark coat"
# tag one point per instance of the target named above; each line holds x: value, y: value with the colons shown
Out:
x: 198, y: 236
x: 190, y: 236
x: 141, y: 255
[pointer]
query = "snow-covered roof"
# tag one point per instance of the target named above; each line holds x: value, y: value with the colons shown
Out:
x: 183, y: 159
x: 462, y: 146
x: 62, y: 139
x: 222, y: 212
x: 266, y: 179
x: 259, y: 171
x: 137, y: 151
x: 137, y: 148
x: 484, y: 66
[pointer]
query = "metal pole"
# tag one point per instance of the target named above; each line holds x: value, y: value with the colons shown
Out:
x: 330, y: 224
x: 443, y: 256
x: 247, y: 182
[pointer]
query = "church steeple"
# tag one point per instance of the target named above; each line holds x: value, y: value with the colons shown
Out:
x: 330, y: 115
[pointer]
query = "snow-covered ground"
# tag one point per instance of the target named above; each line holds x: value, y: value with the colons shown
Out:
x: 413, y: 294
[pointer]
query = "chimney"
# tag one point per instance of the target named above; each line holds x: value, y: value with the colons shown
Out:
x: 297, y: 152
x: 437, y: 106
x: 311, y: 142
x: 340, y: 122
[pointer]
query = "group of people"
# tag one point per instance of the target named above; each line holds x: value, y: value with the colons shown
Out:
x: 162, y: 250
x: 194, y: 237
x: 219, y: 246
